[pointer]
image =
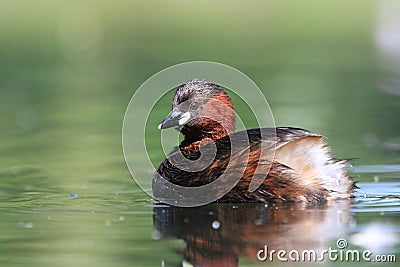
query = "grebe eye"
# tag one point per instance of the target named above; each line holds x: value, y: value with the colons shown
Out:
x: 194, y: 105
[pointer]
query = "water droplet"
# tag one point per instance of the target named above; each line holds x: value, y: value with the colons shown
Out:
x: 156, y: 235
x: 215, y: 225
x: 29, y: 225
x: 26, y: 225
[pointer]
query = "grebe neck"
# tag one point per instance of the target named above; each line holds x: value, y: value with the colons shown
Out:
x: 211, y: 132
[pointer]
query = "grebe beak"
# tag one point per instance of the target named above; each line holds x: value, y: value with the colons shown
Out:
x: 175, y: 118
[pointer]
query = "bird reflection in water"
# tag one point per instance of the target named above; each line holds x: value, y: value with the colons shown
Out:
x: 219, y: 234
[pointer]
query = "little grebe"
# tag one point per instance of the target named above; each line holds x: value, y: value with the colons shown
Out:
x: 301, y: 170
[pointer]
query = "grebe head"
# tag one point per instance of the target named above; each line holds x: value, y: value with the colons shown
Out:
x: 201, y: 109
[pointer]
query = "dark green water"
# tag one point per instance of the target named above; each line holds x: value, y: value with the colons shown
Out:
x: 69, y: 68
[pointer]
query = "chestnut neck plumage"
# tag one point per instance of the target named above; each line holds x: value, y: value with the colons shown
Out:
x: 218, y: 121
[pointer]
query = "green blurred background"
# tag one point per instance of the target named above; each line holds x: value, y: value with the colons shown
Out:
x: 69, y: 68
